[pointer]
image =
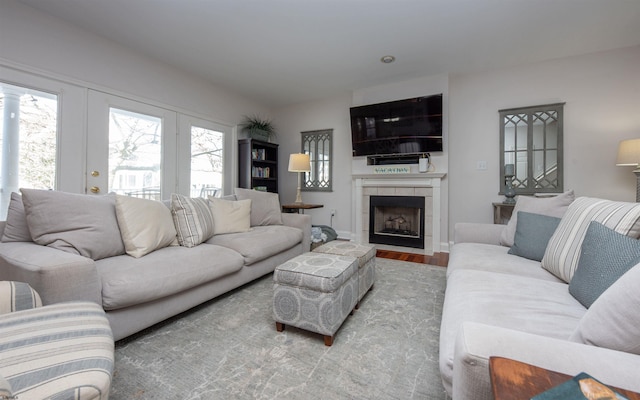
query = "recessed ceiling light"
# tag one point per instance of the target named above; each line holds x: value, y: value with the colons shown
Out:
x: 388, y: 59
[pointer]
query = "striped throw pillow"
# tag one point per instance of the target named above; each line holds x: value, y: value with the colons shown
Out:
x: 193, y: 219
x: 563, y: 251
x: 17, y: 296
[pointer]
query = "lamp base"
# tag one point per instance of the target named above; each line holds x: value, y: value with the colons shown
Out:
x: 298, y: 197
x: 509, y: 192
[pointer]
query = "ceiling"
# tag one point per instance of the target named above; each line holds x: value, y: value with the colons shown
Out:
x: 280, y: 52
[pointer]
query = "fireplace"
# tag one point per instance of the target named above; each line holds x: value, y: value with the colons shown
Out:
x: 397, y: 220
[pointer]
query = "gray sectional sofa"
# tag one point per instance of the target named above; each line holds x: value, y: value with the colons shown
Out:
x: 571, y: 305
x: 121, y: 252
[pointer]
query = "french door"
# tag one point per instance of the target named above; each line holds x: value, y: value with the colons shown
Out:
x: 204, y: 156
x: 131, y: 148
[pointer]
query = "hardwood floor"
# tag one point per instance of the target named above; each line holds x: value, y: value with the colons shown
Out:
x: 439, y: 259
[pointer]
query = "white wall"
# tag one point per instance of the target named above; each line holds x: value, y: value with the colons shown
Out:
x: 602, y: 95
x: 33, y: 41
x: 332, y: 113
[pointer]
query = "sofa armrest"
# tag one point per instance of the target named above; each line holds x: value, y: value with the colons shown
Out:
x: 302, y: 222
x: 468, y: 232
x: 476, y: 342
x: 56, y: 275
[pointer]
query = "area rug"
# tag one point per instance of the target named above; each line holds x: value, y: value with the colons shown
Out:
x: 228, y: 348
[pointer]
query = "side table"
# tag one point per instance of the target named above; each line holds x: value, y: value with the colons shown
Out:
x: 515, y: 380
x: 299, y: 207
x: 502, y: 212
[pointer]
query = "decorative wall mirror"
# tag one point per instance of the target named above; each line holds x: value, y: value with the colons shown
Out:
x: 531, y: 155
x: 318, y: 144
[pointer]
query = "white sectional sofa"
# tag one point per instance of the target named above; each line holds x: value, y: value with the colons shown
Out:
x: 573, y: 307
x: 142, y: 261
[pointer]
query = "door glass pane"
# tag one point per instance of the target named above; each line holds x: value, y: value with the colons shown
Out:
x: 29, y: 121
x: 135, y: 153
x: 206, y: 162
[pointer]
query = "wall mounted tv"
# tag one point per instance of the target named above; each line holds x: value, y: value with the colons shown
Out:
x: 401, y: 127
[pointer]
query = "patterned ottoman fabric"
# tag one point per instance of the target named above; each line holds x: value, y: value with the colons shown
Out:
x: 315, y: 292
x: 366, y: 255
x: 60, y: 351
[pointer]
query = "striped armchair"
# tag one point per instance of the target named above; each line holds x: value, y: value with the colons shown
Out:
x: 61, y: 351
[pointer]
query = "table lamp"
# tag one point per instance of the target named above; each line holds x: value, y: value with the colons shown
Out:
x: 299, y: 163
x: 629, y: 155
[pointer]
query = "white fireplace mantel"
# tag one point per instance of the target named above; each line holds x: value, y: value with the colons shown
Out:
x: 407, y: 180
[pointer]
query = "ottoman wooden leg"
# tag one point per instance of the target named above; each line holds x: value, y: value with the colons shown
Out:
x: 328, y: 340
x: 280, y: 326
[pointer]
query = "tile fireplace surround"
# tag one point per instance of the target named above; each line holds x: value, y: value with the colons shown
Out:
x: 426, y: 185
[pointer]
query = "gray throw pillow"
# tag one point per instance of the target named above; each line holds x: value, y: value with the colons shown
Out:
x: 613, y: 321
x: 16, y: 228
x: 76, y: 223
x: 533, y: 232
x: 265, y: 206
x: 605, y: 256
x: 554, y: 206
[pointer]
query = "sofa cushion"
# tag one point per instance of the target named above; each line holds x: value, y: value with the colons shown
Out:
x: 76, y: 223
x: 613, y: 320
x: 515, y: 302
x: 230, y: 216
x: 16, y: 228
x: 605, y: 256
x: 494, y: 258
x: 554, y: 206
x: 265, y: 206
x: 128, y: 281
x: 260, y: 242
x: 563, y: 251
x: 533, y: 232
x: 146, y: 225
x: 192, y: 218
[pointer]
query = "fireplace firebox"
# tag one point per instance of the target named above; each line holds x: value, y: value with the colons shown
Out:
x: 397, y: 220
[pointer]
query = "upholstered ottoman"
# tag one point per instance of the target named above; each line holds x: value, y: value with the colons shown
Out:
x: 315, y: 292
x: 366, y: 255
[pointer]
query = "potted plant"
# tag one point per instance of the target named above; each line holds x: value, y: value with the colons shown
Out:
x: 258, y: 128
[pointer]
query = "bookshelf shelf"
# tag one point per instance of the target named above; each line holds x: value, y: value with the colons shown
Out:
x: 258, y: 165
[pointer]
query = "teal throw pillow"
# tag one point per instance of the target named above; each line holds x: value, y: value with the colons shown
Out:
x: 533, y: 232
x: 605, y: 256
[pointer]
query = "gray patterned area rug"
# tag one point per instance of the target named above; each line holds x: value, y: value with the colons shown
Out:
x: 228, y: 348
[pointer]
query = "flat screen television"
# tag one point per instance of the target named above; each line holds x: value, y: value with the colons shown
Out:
x: 409, y: 126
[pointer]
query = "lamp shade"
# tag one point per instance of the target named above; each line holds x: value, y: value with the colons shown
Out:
x: 628, y: 153
x: 299, y: 162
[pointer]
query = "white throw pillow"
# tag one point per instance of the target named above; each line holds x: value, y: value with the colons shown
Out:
x: 192, y: 218
x: 145, y: 225
x: 554, y: 206
x: 230, y: 216
x: 563, y: 251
